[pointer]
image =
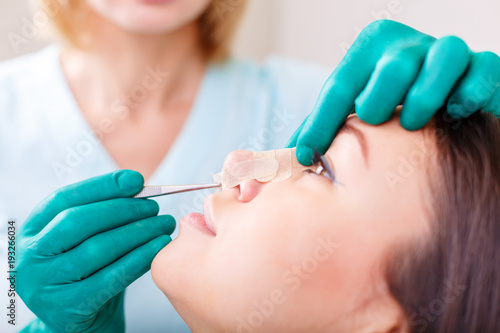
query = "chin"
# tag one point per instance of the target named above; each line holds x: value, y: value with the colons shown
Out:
x: 175, y: 280
x: 171, y: 270
x: 163, y: 269
x: 150, y: 19
x: 150, y: 25
x: 157, y: 268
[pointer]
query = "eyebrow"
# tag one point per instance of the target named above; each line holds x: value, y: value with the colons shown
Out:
x: 361, y: 139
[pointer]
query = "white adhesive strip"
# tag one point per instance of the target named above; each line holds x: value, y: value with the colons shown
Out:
x: 264, y: 166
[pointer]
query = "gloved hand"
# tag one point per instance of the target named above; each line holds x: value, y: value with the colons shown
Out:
x: 390, y: 62
x: 82, y: 246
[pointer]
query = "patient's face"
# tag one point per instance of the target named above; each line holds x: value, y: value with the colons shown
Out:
x: 305, y: 253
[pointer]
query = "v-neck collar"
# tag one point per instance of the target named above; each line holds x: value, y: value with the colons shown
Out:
x: 188, y: 129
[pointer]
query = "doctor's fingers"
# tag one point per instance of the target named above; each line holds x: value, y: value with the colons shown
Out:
x: 444, y: 65
x: 101, y: 286
x: 334, y: 104
x: 394, y: 73
x: 119, y: 184
x: 349, y: 79
x: 479, y: 88
x: 103, y: 249
x: 375, y: 90
x: 336, y: 99
x: 292, y: 142
x: 75, y: 225
x: 493, y: 104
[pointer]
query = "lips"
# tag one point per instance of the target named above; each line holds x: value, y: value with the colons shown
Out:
x: 202, y: 222
x: 197, y: 221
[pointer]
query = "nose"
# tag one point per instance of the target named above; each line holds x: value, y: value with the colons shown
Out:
x: 248, y: 189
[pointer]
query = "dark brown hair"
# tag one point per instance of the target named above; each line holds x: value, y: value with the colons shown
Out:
x: 450, y: 280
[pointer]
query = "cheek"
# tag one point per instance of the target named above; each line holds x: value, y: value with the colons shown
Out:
x: 263, y: 241
x: 362, y: 192
x: 175, y: 268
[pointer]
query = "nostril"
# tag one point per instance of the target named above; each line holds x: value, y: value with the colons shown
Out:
x: 249, y: 189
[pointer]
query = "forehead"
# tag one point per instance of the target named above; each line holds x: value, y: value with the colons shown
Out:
x: 392, y: 136
x: 395, y: 155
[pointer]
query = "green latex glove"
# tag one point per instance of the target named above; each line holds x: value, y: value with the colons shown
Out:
x: 390, y: 62
x: 82, y: 246
x: 36, y: 326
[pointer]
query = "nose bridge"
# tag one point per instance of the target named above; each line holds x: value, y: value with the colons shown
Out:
x: 236, y: 157
x: 263, y: 166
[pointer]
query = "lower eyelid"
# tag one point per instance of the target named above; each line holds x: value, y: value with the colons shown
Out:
x: 310, y: 171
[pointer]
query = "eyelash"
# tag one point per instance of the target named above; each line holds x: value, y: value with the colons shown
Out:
x: 323, y: 166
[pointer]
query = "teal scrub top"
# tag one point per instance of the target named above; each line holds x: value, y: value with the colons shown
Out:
x: 46, y: 143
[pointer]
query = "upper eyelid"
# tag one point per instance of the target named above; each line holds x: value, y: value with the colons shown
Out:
x: 324, y: 162
x: 333, y: 177
x: 328, y: 166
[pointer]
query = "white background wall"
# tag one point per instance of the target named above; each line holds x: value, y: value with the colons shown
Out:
x: 317, y: 30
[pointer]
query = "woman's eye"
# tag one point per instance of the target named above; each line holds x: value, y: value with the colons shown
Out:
x: 323, y: 167
x: 322, y: 172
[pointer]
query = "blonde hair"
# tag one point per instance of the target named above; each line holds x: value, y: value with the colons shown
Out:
x: 217, y: 25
